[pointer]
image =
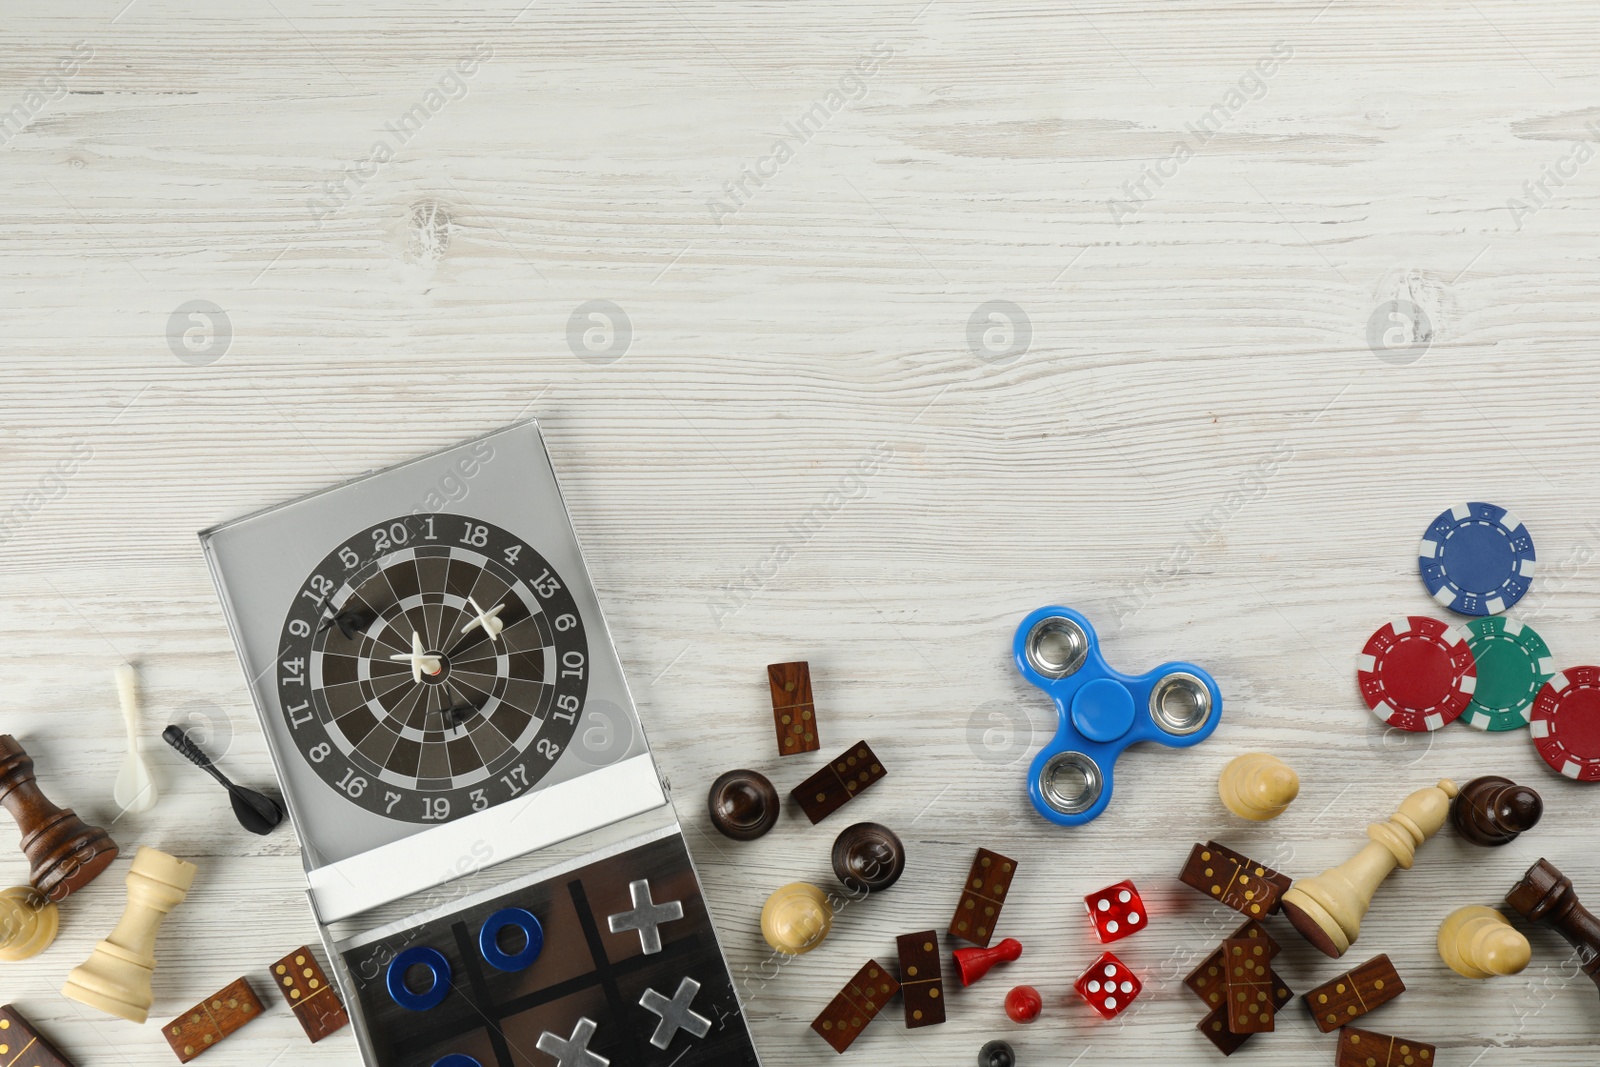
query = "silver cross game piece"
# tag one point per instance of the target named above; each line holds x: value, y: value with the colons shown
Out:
x: 645, y: 917
x: 675, y: 1013
x: 574, y: 1051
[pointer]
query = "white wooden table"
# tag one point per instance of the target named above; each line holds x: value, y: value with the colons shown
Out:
x: 803, y: 428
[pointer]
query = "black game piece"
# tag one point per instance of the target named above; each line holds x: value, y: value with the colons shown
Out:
x: 743, y: 804
x: 868, y: 857
x: 256, y: 813
x: 997, y: 1054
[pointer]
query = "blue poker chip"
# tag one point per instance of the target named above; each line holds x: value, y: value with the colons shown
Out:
x: 1477, y: 559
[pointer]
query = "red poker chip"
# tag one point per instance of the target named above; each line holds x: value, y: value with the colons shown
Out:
x: 1566, y: 723
x: 1417, y: 674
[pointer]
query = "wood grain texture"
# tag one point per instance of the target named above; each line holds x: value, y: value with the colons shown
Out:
x: 800, y: 455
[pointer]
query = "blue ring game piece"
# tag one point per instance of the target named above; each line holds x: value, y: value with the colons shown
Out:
x: 489, y: 939
x: 1101, y: 712
x: 1476, y: 559
x: 456, y: 1059
x: 430, y: 958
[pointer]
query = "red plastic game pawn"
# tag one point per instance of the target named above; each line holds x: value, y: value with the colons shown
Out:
x: 974, y: 963
x: 1023, y: 1004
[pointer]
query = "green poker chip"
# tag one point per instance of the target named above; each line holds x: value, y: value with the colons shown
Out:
x: 1513, y: 664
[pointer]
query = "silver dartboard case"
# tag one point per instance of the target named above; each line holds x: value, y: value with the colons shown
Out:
x: 376, y: 884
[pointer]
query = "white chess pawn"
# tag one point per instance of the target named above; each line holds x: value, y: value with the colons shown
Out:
x: 1477, y: 942
x: 1258, y: 786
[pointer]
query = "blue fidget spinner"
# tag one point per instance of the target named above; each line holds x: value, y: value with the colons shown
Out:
x: 1101, y: 712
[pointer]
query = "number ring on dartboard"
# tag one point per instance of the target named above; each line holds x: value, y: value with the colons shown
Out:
x: 394, y: 688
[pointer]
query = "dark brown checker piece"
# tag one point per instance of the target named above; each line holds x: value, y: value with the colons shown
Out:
x: 857, y: 1004
x: 1249, y: 986
x: 1207, y: 980
x: 794, y: 716
x: 1215, y: 1025
x: 921, y: 980
x: 1354, y: 993
x: 1252, y: 889
x: 1363, y: 1048
x: 302, y: 983
x: 23, y: 1046
x: 846, y: 777
x: 214, y: 1018
x: 982, y: 897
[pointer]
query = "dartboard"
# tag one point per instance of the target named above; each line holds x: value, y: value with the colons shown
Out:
x: 432, y: 666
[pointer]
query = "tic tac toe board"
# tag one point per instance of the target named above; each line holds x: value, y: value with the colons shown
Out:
x: 441, y: 699
x: 586, y: 971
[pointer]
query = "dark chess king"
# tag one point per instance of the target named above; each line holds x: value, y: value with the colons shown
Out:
x: 435, y: 680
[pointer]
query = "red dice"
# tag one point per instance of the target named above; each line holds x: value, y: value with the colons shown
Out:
x: 1108, y: 986
x: 1117, y: 912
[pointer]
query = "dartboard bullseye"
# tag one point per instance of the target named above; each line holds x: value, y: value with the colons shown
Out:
x: 432, y: 666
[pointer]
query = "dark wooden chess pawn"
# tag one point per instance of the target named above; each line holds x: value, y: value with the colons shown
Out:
x: 868, y: 858
x: 1493, y: 810
x: 743, y: 805
x: 1545, y: 895
x: 64, y: 852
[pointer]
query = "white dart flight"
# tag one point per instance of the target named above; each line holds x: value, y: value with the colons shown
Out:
x: 421, y: 662
x: 489, y: 620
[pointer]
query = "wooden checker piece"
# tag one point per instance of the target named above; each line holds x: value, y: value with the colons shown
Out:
x: 214, y: 1018
x: 1207, y: 981
x: 23, y: 1046
x: 302, y: 983
x: 1354, y: 993
x: 1363, y: 1048
x: 1248, y: 985
x: 842, y: 780
x: 1215, y: 1025
x: 921, y: 980
x: 1252, y: 889
x: 857, y: 1004
x: 982, y: 897
x: 794, y: 715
